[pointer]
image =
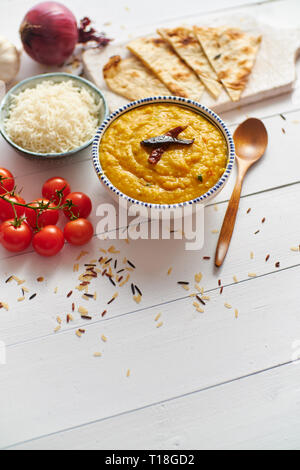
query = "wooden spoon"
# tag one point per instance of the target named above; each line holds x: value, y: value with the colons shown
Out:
x: 251, y: 140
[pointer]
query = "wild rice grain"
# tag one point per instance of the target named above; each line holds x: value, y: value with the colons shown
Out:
x: 131, y: 264
x: 200, y: 300
x: 138, y: 291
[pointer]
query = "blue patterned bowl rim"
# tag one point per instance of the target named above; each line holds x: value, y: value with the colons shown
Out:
x: 194, y: 105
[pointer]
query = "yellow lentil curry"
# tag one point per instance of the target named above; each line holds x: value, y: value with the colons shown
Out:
x: 183, y: 173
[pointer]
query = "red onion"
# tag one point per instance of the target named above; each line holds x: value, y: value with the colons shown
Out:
x: 49, y: 33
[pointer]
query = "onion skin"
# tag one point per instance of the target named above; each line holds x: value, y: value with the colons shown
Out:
x: 49, y: 33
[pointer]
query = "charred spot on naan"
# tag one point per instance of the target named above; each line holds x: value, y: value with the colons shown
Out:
x: 158, y: 41
x: 111, y: 64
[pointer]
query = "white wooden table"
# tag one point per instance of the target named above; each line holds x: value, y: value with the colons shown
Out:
x: 201, y: 381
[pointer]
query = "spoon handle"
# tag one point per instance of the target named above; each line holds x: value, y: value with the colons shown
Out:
x: 229, y: 223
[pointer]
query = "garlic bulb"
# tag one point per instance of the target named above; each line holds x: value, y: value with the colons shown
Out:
x: 2, y: 90
x: 9, y: 60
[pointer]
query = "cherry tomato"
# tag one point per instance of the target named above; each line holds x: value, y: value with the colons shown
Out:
x: 55, y: 184
x: 7, y: 182
x: 78, y: 232
x: 13, y: 238
x: 46, y: 217
x: 6, y: 209
x: 82, y: 205
x: 48, y: 241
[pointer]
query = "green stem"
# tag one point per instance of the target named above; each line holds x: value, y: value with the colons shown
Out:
x: 42, y: 208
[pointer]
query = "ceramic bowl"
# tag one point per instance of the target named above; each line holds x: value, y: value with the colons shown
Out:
x: 161, y: 208
x: 33, y: 82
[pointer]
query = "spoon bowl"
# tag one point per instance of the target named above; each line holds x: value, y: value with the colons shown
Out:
x: 251, y: 140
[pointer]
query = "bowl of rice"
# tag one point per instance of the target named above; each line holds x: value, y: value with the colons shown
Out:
x: 52, y: 115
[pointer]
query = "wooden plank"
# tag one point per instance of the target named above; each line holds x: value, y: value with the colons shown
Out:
x: 63, y: 385
x: 153, y: 258
x: 30, y: 174
x: 117, y: 19
x: 260, y: 412
x: 24, y: 167
x: 79, y: 170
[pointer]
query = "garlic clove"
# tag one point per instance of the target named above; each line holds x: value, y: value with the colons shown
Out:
x: 9, y: 60
x: 2, y: 90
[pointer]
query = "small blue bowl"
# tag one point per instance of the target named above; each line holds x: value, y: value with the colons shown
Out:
x: 32, y: 83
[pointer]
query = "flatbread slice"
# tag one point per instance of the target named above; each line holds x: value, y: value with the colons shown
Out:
x: 131, y: 79
x: 158, y: 56
x: 187, y: 46
x: 232, y: 54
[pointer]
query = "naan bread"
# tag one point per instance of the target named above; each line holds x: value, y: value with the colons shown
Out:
x: 187, y: 46
x: 158, y: 56
x: 232, y: 54
x: 131, y: 79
